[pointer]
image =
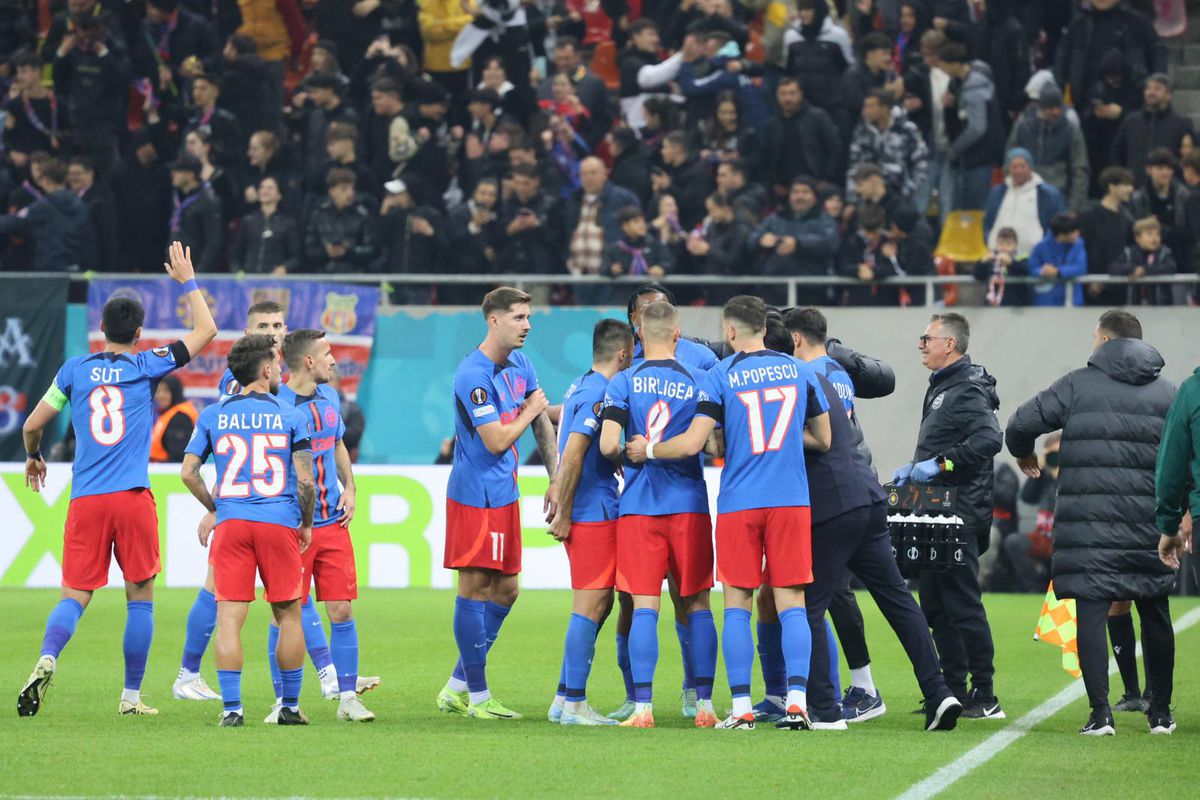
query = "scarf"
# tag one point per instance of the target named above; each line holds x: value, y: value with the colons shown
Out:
x: 36, y: 121
x: 180, y: 207
x: 637, y: 258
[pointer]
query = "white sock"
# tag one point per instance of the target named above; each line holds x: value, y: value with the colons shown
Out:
x: 131, y: 696
x: 574, y: 707
x: 347, y: 695
x: 480, y: 697
x: 797, y: 697
x: 643, y: 708
x: 705, y: 705
x: 279, y: 702
x: 742, y: 707
x: 229, y: 711
x: 861, y: 678
x: 327, y: 674
x: 456, y: 684
x: 777, y: 699
x: 187, y: 675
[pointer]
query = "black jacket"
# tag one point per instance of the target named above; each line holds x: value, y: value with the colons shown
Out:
x: 1144, y: 130
x: 1111, y: 414
x: 58, y: 224
x: 94, y: 90
x: 691, y: 185
x: 246, y: 93
x: 840, y: 479
x: 537, y: 251
x: 631, y: 170
x: 958, y: 421
x: 402, y: 250
x: 192, y: 36
x: 813, y: 132
x: 1092, y: 34
x: 351, y: 226
x: 262, y: 244
x: 100, y: 241
x: 201, y: 229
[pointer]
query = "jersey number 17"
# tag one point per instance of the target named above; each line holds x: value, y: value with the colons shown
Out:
x: 754, y: 402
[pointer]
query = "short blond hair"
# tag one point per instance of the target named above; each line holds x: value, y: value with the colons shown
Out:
x: 1145, y: 225
x: 660, y: 320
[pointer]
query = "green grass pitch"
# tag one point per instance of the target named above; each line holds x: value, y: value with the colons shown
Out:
x: 78, y: 745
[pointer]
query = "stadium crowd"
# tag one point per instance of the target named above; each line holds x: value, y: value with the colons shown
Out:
x: 508, y: 137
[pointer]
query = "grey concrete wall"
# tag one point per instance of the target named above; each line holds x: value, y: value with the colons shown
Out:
x: 1026, y: 349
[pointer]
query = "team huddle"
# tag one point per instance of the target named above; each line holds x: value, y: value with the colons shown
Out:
x: 799, y: 510
x: 779, y: 411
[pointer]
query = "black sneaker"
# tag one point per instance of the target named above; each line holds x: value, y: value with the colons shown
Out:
x: 1100, y: 723
x: 232, y: 719
x: 1133, y: 702
x: 289, y: 717
x: 942, y: 713
x: 982, y: 706
x: 1161, y: 723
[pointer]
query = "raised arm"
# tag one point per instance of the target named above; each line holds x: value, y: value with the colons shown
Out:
x: 204, y: 329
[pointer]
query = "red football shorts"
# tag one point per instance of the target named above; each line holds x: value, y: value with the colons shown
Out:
x: 783, y: 536
x: 592, y: 551
x: 648, y: 547
x: 241, y: 547
x: 100, y: 526
x: 483, y: 538
x: 330, y: 560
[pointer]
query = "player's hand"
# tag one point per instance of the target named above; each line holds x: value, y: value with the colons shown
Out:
x: 550, y: 501
x: 536, y: 403
x: 1030, y: 466
x: 304, y: 536
x: 560, y: 527
x: 204, y: 530
x: 1169, y: 549
x: 346, y: 506
x: 180, y: 267
x: 35, y: 473
x: 635, y: 449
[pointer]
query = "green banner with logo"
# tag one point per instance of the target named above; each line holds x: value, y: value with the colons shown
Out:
x: 33, y: 317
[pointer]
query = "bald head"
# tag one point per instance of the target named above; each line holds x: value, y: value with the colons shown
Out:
x: 592, y: 175
x: 660, y: 323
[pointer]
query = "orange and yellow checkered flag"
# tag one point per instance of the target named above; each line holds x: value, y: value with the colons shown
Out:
x: 1057, y: 625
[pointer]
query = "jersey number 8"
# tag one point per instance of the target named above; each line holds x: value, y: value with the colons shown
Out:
x: 108, y: 419
x: 261, y: 463
x: 754, y: 415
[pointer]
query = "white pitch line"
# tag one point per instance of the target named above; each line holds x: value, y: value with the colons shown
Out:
x: 992, y: 746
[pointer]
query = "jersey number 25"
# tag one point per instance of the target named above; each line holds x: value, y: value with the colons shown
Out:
x: 261, y: 462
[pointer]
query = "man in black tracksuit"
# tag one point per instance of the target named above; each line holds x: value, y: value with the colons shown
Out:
x: 849, y: 531
x: 959, y: 436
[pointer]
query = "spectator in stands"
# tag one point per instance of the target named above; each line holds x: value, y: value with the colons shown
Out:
x: 91, y: 79
x: 324, y: 108
x: 1147, y: 256
x: 220, y: 125
x: 323, y: 63
x: 268, y: 241
x: 703, y: 17
x: 1057, y: 146
x: 799, y: 239
x: 196, y: 219
x: 868, y: 254
x: 67, y: 21
x: 664, y: 223
x: 1002, y: 263
x: 1191, y: 216
x: 1106, y: 226
x: 410, y: 239
x: 749, y: 199
x: 590, y: 222
x: 1165, y: 197
x: 630, y: 169
x: 248, y: 91
x: 379, y: 144
x: 642, y: 75
x: 99, y: 250
x: 892, y: 143
x: 474, y: 237
x: 440, y: 21
x: 57, y: 223
x: 909, y: 229
x: 173, y: 45
x: 591, y: 91
x: 1004, y: 44
x: 1156, y: 125
x: 1029, y: 551
x: 351, y: 26
x: 925, y: 87
x: 1060, y: 254
x: 726, y: 134
x: 198, y: 145
x: 875, y: 71
x: 818, y: 54
x: 341, y: 147
x: 565, y: 105
x: 800, y: 140
x: 174, y: 423
x: 1107, y: 25
x: 718, y: 247
x: 973, y: 126
x: 496, y: 79
x: 687, y: 178
x: 532, y: 242
x: 264, y: 157
x: 32, y: 122
x: 1024, y: 202
x: 340, y: 236
x: 278, y: 31
x: 721, y: 70
x: 636, y: 252
x: 1116, y: 95
x: 141, y: 185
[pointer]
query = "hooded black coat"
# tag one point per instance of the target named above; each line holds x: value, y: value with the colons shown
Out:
x: 1111, y: 414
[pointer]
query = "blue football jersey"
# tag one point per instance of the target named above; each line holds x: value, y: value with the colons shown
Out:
x: 833, y: 371
x: 596, y: 494
x: 322, y: 412
x: 764, y: 398
x: 657, y: 399
x: 687, y: 352
x: 112, y: 412
x: 252, y: 437
x: 484, y: 392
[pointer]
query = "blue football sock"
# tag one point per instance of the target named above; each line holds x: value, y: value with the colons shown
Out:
x: 624, y: 665
x: 738, y: 645
x: 201, y: 621
x: 581, y: 647
x: 685, y: 652
x: 60, y: 626
x: 835, y: 674
x: 343, y: 642
x: 314, y: 635
x: 231, y: 688
x: 770, y: 658
x: 643, y: 652
x: 703, y: 647
x: 562, y: 670
x: 470, y: 635
x: 272, y: 662
x: 494, y: 615
x: 139, y: 631
x: 292, y: 679
x: 797, y: 647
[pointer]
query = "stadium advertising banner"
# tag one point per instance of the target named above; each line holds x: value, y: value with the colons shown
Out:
x: 346, y: 312
x: 32, y: 331
x: 398, y: 530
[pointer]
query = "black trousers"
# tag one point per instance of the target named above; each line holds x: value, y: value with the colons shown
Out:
x: 859, y: 541
x: 1158, y: 649
x: 953, y: 605
x: 847, y: 620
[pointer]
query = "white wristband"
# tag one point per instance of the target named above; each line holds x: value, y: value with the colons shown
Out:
x: 649, y: 451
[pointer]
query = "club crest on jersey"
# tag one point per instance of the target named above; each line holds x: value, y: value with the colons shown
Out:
x: 479, y: 396
x: 330, y: 417
x: 937, y: 401
x: 519, y: 388
x: 339, y: 315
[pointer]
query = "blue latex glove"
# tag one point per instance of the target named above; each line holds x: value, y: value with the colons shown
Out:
x: 924, y: 471
x: 900, y: 476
